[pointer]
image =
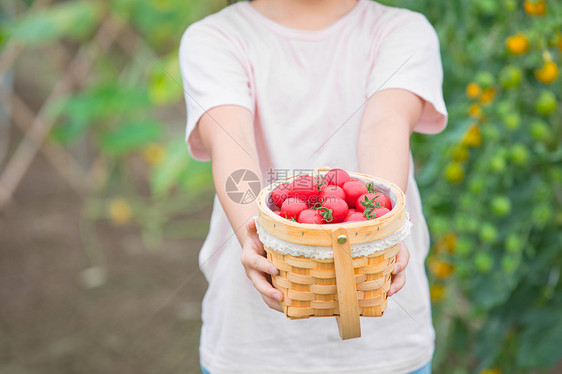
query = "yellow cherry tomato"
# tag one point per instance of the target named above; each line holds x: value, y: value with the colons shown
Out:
x: 535, y: 8
x: 450, y: 240
x: 473, y: 90
x: 441, y: 269
x: 475, y: 111
x: 488, y: 95
x: 517, y: 44
x: 548, y: 73
x: 473, y: 137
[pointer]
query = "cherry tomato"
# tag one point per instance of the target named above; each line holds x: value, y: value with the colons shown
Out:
x: 331, y: 191
x: 334, y: 210
x: 305, y: 188
x: 353, y: 189
x: 355, y: 217
x: 310, y: 216
x: 379, y: 212
x: 336, y: 177
x: 350, y: 212
x: 279, y: 194
x: 374, y: 199
x: 291, y: 208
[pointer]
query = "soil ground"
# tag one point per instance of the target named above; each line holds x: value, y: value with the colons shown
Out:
x: 144, y: 319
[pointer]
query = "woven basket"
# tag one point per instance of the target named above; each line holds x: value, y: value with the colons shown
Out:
x: 343, y: 286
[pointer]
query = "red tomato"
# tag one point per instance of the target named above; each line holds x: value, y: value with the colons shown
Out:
x: 355, y: 217
x: 331, y: 191
x: 319, y: 182
x: 310, y: 216
x: 336, y: 177
x: 292, y: 207
x: 375, y: 213
x: 377, y: 199
x: 353, y: 189
x: 383, y: 200
x: 379, y: 212
x: 335, y: 208
x: 305, y: 188
x: 279, y: 194
x: 366, y: 199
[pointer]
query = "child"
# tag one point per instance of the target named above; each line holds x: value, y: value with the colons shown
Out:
x: 293, y: 85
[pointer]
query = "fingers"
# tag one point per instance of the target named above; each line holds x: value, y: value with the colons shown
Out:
x: 273, y: 304
x: 402, y: 259
x: 256, y: 269
x: 398, y: 281
x: 257, y: 245
x: 251, y: 225
x: 257, y: 266
x: 254, y: 261
x: 253, y: 238
x: 264, y: 287
x: 399, y: 275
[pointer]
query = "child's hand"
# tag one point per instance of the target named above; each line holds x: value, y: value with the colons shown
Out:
x: 258, y: 267
x: 399, y: 276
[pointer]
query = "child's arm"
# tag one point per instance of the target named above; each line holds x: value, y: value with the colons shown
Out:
x: 384, y: 139
x: 384, y: 149
x: 227, y: 133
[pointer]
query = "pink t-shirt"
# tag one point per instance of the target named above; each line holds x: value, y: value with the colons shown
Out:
x: 302, y: 87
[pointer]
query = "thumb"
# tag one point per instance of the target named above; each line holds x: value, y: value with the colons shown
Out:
x: 251, y: 225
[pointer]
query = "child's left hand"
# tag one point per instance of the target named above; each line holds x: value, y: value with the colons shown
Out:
x: 398, y: 274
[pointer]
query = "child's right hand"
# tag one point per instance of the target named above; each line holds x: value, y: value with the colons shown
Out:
x: 259, y: 268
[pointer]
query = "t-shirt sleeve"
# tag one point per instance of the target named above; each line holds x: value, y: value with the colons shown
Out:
x: 408, y: 57
x: 214, y: 73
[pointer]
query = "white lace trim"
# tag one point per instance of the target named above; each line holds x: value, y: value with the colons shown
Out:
x: 320, y: 252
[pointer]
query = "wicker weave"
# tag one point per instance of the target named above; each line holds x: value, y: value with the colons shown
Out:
x: 309, y: 285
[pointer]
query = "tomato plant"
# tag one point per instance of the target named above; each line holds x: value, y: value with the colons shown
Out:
x: 490, y: 185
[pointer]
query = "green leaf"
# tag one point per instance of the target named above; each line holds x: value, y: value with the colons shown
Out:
x: 163, y: 20
x: 70, y: 19
x: 491, y: 338
x: 541, y: 341
x: 166, y: 174
x: 197, y: 177
x: 101, y: 103
x: 493, y: 288
x: 69, y: 132
x: 130, y: 136
x: 99, y: 106
x: 165, y: 84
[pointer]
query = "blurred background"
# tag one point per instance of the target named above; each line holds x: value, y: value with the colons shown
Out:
x: 102, y: 211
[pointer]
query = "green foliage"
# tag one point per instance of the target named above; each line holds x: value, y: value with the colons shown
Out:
x: 163, y: 84
x: 129, y: 136
x: 497, y: 224
x: 96, y: 108
x: 167, y: 175
x: 119, y: 114
x: 74, y: 20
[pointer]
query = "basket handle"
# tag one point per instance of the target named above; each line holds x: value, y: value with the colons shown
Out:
x: 348, y: 320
